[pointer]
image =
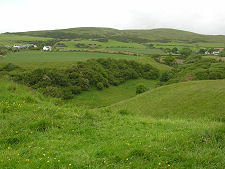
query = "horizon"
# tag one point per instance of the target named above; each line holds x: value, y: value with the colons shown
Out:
x: 110, y: 28
x: 192, y: 16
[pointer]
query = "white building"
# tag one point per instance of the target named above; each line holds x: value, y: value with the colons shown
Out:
x: 20, y: 46
x: 207, y: 53
x: 47, y: 48
x: 216, y: 52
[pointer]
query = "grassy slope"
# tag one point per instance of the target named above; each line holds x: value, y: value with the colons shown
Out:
x: 152, y: 35
x: 36, y: 133
x: 110, y: 44
x: 196, y: 99
x: 9, y: 37
x: 95, y: 98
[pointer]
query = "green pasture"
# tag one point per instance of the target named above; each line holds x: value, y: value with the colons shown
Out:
x: 42, y: 56
x: 40, y: 59
x: 215, y: 57
x: 13, y: 37
x: 186, y: 131
x: 211, y: 45
x: 95, y: 98
x: 102, y: 45
x: 138, y: 50
x: 198, y: 99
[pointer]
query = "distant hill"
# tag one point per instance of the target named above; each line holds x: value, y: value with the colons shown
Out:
x: 139, y: 36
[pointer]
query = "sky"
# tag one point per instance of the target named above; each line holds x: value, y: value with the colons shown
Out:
x: 200, y: 16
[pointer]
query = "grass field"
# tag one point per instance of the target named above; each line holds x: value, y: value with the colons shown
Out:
x: 102, y: 45
x: 11, y: 37
x: 39, y: 59
x: 166, y: 101
x: 139, y: 50
x: 215, y: 57
x: 211, y: 45
x: 40, y: 132
x: 95, y: 98
x: 180, y: 126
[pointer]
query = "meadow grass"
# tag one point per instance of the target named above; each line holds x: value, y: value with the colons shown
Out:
x: 151, y: 61
x: 13, y: 37
x: 194, y: 99
x: 100, y: 98
x: 211, y: 45
x: 40, y: 132
x: 103, y: 45
x: 41, y: 59
x: 215, y: 57
x: 139, y: 50
x: 41, y: 56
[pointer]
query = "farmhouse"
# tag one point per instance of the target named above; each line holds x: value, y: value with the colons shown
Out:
x: 47, y: 48
x: 5, y: 46
x: 207, y: 52
x: 20, y: 46
x: 216, y: 52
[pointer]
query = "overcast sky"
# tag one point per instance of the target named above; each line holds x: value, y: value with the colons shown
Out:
x: 200, y: 16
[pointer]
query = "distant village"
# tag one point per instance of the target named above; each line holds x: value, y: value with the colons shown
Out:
x: 45, y: 48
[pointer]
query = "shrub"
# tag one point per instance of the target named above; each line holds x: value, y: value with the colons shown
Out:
x: 141, y: 89
x: 76, y: 89
x: 9, y: 67
x: 100, y: 86
x: 165, y: 77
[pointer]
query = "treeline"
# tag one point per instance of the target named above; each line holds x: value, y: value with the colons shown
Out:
x: 100, y: 73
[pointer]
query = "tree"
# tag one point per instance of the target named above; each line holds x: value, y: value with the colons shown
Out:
x: 141, y: 88
x: 211, y: 50
x: 202, y: 51
x: 165, y: 77
x: 175, y: 50
x: 169, y: 60
x: 100, y: 86
x: 222, y: 53
x: 185, y: 52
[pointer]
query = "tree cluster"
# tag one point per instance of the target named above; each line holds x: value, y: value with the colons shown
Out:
x: 100, y: 73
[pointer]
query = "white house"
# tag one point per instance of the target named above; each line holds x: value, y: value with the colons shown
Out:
x: 216, y: 52
x: 20, y: 46
x: 207, y: 52
x: 47, y: 48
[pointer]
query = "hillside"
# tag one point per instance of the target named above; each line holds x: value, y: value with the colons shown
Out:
x: 158, y: 35
x: 39, y: 132
x: 196, y: 99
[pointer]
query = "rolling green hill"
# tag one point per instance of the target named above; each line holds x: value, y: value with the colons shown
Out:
x: 40, y: 132
x: 159, y: 35
x: 196, y: 99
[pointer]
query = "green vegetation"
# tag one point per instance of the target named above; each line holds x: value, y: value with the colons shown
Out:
x: 100, y: 73
x: 138, y: 36
x: 141, y: 89
x: 15, y: 38
x: 107, y: 98
x: 96, y: 44
x: 41, y: 56
x: 197, y: 99
x: 114, y: 94
x: 117, y: 139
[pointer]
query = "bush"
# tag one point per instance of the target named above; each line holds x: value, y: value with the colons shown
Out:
x: 98, y: 73
x: 100, y: 86
x: 165, y: 77
x: 141, y: 89
x: 9, y: 67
